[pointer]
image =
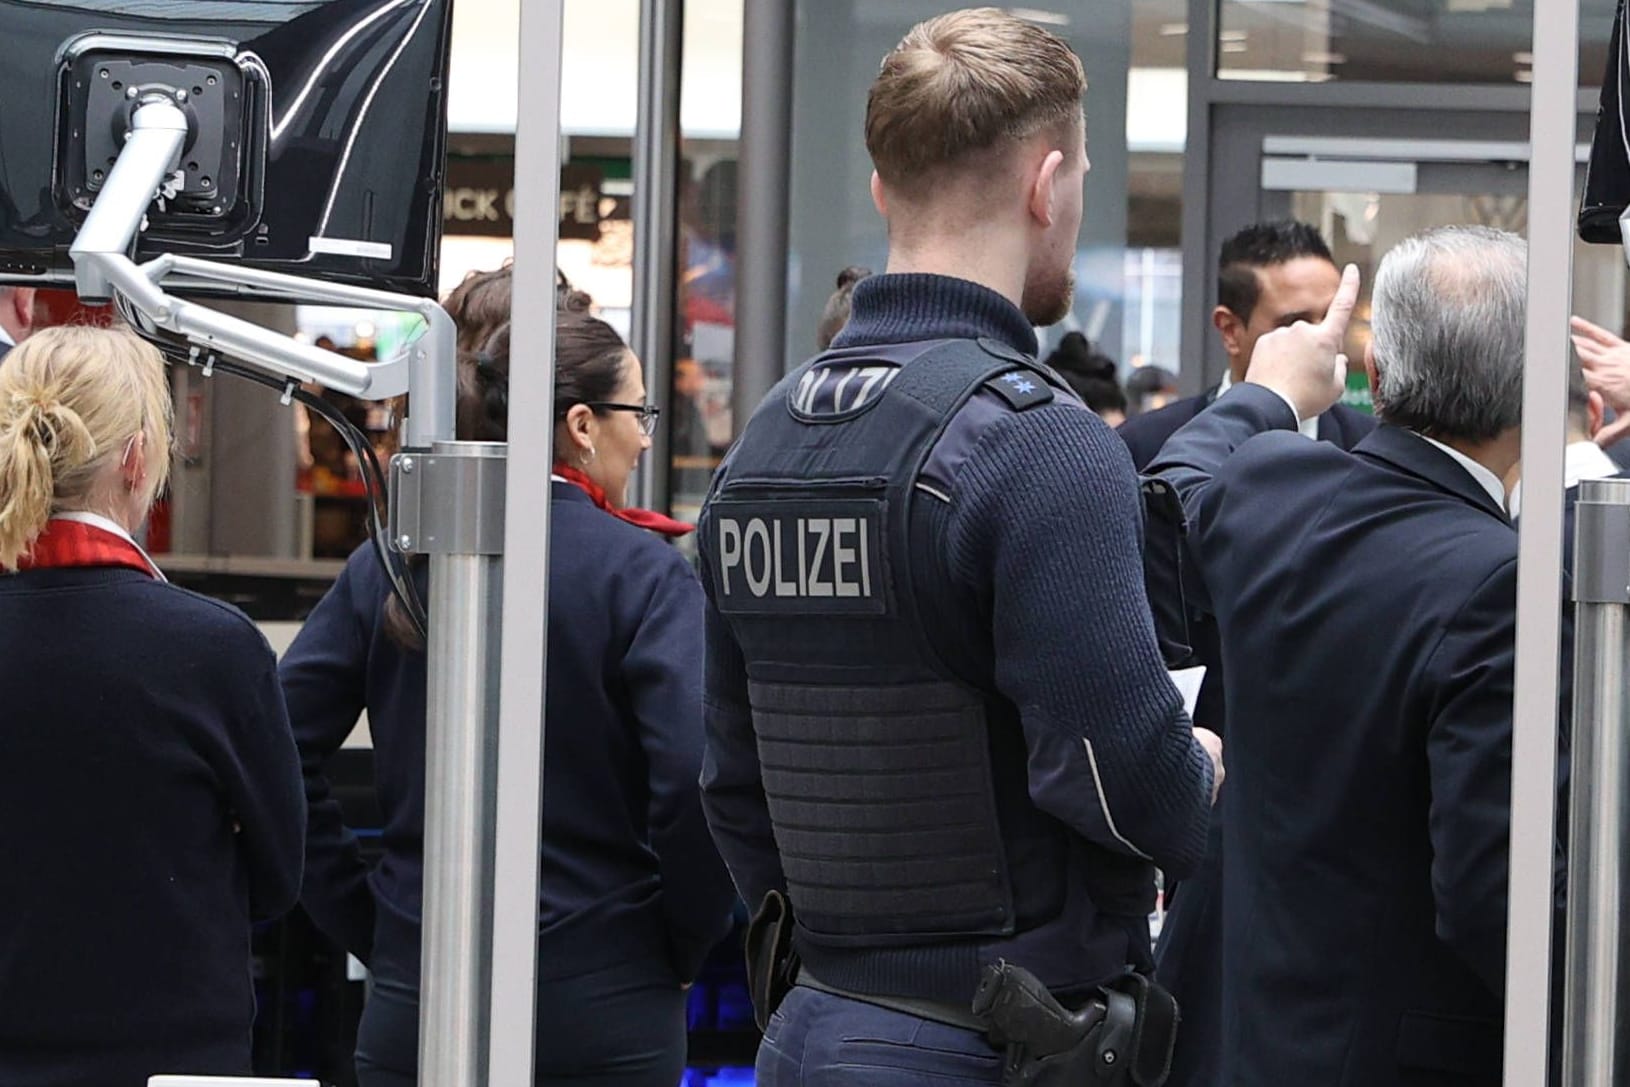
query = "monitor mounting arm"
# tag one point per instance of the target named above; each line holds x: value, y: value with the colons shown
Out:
x: 103, y: 268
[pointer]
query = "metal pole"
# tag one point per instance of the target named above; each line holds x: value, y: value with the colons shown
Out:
x: 457, y: 517
x: 763, y: 208
x: 1539, y: 558
x: 1201, y: 359
x: 524, y: 648
x: 656, y: 221
x: 1595, y: 1019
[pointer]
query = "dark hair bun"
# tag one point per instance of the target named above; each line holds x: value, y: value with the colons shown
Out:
x: 1076, y: 355
x: 852, y: 275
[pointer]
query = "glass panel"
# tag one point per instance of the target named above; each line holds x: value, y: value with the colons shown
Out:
x: 698, y: 423
x: 833, y: 224
x: 1426, y: 41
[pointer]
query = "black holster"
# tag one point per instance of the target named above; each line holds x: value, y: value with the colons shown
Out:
x: 1122, y: 1036
x: 772, y: 964
x: 1167, y: 580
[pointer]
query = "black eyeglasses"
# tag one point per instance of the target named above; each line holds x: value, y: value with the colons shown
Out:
x: 648, y: 413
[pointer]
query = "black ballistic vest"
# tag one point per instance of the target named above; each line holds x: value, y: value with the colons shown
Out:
x: 875, y: 757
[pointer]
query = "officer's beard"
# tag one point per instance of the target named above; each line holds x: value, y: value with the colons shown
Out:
x: 1047, y: 298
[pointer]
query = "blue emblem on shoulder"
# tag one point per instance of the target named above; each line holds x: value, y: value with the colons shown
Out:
x: 1021, y: 389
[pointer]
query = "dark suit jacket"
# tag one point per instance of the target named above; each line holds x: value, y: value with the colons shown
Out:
x: 1189, y: 956
x: 1366, y: 603
x: 1145, y: 434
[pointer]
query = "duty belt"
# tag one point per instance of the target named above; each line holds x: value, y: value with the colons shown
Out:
x: 932, y: 1010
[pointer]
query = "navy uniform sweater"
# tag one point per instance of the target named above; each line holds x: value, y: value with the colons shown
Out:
x: 1031, y: 584
x: 628, y: 871
x: 151, y: 812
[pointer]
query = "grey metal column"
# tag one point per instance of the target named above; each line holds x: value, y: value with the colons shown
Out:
x: 524, y: 647
x: 656, y: 222
x: 1596, y: 1017
x: 1539, y: 555
x: 1199, y: 261
x: 449, y: 504
x: 765, y: 173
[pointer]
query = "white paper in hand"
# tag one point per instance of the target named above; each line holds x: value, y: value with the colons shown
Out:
x: 1188, y: 682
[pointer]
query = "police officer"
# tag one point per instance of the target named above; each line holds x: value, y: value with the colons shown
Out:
x: 940, y: 730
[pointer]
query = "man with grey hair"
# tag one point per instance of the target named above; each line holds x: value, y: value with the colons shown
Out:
x: 1367, y: 606
x: 16, y: 316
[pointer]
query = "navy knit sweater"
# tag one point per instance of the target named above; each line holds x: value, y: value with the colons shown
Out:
x: 1031, y: 581
x: 628, y: 870
x: 151, y: 811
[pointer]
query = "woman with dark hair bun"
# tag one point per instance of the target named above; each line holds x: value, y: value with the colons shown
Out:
x: 836, y: 313
x: 1094, y: 376
x: 631, y: 893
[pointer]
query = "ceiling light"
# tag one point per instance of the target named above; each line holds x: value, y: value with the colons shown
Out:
x: 1173, y: 30
x: 1235, y: 47
x: 1233, y: 35
x: 1323, y: 56
x: 1523, y: 58
x: 1524, y: 76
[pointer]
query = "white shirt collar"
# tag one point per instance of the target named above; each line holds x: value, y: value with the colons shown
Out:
x: 6, y: 342
x: 1485, y: 478
x: 107, y: 524
x: 1581, y: 460
x: 1309, y: 427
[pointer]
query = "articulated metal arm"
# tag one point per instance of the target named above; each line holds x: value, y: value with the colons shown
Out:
x: 103, y: 268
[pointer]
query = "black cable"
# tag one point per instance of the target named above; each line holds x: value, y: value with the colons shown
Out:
x: 178, y: 351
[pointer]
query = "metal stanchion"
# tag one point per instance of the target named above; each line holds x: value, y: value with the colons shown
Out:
x: 656, y: 220
x: 449, y: 504
x: 524, y: 649
x: 763, y: 208
x: 1594, y: 1039
x: 1532, y: 897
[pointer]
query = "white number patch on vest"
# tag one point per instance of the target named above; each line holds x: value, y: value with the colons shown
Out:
x: 799, y: 557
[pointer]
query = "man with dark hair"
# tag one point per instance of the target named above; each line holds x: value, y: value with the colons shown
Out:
x: 941, y: 737
x: 1366, y: 602
x: 1269, y: 275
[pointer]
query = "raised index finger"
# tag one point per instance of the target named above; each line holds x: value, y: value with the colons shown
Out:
x: 1334, y: 326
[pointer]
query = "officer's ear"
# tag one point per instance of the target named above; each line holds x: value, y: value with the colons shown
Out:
x: 880, y: 200
x: 1043, y: 193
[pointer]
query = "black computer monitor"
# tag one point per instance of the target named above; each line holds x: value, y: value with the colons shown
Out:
x: 1607, y: 175
x: 317, y: 143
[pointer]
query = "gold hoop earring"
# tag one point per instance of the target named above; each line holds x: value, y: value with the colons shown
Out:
x: 588, y: 458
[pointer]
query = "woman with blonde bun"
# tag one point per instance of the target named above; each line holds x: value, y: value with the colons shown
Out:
x: 150, y: 799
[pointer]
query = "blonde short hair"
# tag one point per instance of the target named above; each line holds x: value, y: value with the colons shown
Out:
x: 71, y: 399
x: 963, y: 86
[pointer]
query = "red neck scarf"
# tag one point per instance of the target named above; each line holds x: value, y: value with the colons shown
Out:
x: 67, y: 543
x: 650, y: 519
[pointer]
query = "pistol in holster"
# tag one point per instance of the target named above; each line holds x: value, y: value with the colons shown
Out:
x: 1122, y: 1036
x: 772, y: 964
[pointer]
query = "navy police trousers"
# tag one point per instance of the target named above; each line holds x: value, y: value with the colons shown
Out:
x: 816, y: 1039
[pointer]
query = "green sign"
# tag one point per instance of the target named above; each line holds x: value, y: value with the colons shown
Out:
x: 1358, y: 391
